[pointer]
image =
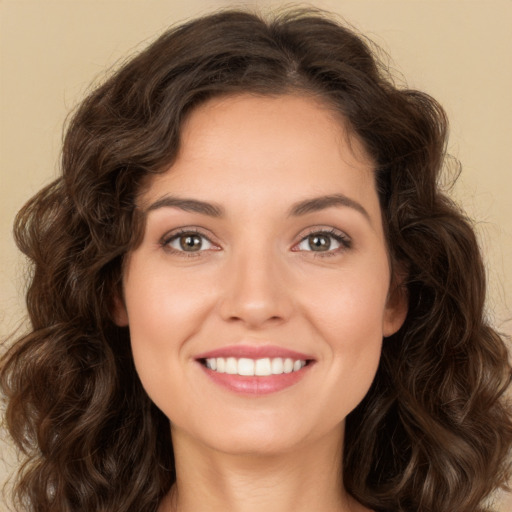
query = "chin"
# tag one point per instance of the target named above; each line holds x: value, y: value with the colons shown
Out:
x: 261, y: 434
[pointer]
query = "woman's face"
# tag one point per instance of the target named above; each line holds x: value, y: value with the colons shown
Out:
x: 259, y: 297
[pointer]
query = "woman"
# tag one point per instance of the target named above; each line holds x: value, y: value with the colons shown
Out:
x: 249, y: 292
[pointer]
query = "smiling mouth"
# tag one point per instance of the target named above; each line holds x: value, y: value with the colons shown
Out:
x: 247, y: 367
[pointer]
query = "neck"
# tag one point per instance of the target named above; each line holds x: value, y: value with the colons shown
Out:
x: 303, y: 480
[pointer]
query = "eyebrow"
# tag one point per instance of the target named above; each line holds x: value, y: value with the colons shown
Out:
x: 321, y: 203
x: 301, y: 208
x: 188, y: 205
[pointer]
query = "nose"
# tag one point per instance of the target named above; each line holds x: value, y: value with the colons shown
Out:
x: 255, y: 292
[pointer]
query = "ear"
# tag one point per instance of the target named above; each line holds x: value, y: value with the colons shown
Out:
x: 397, y: 305
x: 119, y: 312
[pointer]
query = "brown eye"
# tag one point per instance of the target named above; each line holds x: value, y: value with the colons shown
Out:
x: 319, y: 242
x: 324, y: 241
x: 188, y: 242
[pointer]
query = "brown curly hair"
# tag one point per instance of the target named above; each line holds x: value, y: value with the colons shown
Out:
x: 434, y: 431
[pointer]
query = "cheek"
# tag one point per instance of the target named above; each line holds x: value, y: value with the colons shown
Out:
x: 348, y: 316
x: 163, y: 313
x: 351, y: 304
x: 352, y: 324
x: 161, y: 304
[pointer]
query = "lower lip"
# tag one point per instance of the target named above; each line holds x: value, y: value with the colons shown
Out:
x: 256, y: 385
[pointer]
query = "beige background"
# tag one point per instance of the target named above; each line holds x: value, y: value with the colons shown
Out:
x: 457, y: 50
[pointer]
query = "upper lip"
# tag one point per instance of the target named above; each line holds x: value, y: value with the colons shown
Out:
x: 254, y: 352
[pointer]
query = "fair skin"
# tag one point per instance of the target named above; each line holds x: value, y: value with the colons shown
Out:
x: 263, y: 242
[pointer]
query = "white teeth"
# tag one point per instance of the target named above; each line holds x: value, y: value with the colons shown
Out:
x: 254, y: 367
x: 277, y: 366
x: 221, y: 365
x: 211, y: 363
x: 262, y: 367
x: 245, y: 366
x: 231, y: 366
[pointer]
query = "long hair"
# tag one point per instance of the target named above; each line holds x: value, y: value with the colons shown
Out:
x: 434, y: 431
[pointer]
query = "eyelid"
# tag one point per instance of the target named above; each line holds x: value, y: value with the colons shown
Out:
x: 166, y: 239
x: 340, y: 236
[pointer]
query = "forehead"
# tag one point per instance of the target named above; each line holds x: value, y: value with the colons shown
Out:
x: 274, y: 123
x: 258, y: 147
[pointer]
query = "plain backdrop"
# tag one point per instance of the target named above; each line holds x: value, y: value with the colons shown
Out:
x: 459, y: 51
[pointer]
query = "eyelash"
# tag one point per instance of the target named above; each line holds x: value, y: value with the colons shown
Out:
x: 340, y: 237
x: 170, y: 237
